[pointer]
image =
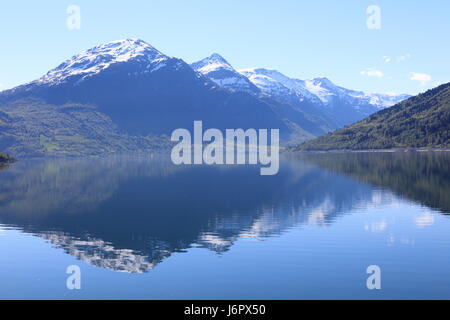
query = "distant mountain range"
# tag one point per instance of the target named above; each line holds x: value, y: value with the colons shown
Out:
x: 422, y: 121
x: 126, y: 95
x: 319, y: 96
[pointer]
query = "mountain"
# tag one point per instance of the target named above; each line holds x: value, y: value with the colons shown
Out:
x: 293, y: 106
x: 332, y: 105
x: 422, y: 121
x: 126, y: 95
x: 127, y: 80
x: 216, y: 68
x: 344, y: 106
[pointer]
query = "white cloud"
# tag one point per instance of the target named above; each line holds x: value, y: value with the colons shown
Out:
x: 387, y: 59
x: 372, y: 73
x: 1, y: 84
x: 421, y: 77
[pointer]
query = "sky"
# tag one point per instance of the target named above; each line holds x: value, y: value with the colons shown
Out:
x: 399, y: 47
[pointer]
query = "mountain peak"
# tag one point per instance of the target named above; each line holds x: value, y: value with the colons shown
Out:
x: 323, y: 82
x: 99, y: 58
x: 217, y: 57
x: 212, y: 63
x: 217, y: 69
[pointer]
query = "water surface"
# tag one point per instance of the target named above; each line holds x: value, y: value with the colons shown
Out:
x: 141, y: 228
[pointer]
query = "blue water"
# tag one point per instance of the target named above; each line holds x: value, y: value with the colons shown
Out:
x: 141, y: 228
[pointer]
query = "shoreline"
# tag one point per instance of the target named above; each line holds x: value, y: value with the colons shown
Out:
x: 405, y: 150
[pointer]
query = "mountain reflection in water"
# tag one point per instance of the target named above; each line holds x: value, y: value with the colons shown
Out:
x: 130, y: 213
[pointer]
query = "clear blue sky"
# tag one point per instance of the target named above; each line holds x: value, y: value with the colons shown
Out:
x: 302, y: 39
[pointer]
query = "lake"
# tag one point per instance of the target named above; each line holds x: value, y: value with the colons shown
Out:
x: 139, y: 227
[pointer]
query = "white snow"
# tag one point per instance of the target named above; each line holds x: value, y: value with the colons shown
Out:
x: 212, y: 63
x: 214, y: 67
x: 99, y: 58
x: 229, y: 81
x: 318, y: 90
x: 217, y: 69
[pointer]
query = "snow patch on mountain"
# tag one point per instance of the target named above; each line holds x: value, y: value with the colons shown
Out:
x: 212, y: 63
x: 266, y: 83
x: 387, y: 99
x: 316, y: 88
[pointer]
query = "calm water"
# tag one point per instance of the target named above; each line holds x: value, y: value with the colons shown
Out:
x: 141, y: 228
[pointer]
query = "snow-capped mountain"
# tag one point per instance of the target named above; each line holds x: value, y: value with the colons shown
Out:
x: 99, y: 58
x: 317, y: 90
x: 216, y: 68
x: 276, y: 84
x: 386, y: 100
x: 125, y: 95
x: 343, y: 105
x: 294, y: 107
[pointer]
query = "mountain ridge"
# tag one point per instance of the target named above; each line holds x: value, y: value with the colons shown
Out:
x: 220, y: 71
x: 340, y: 106
x: 126, y: 95
x: 120, y: 106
